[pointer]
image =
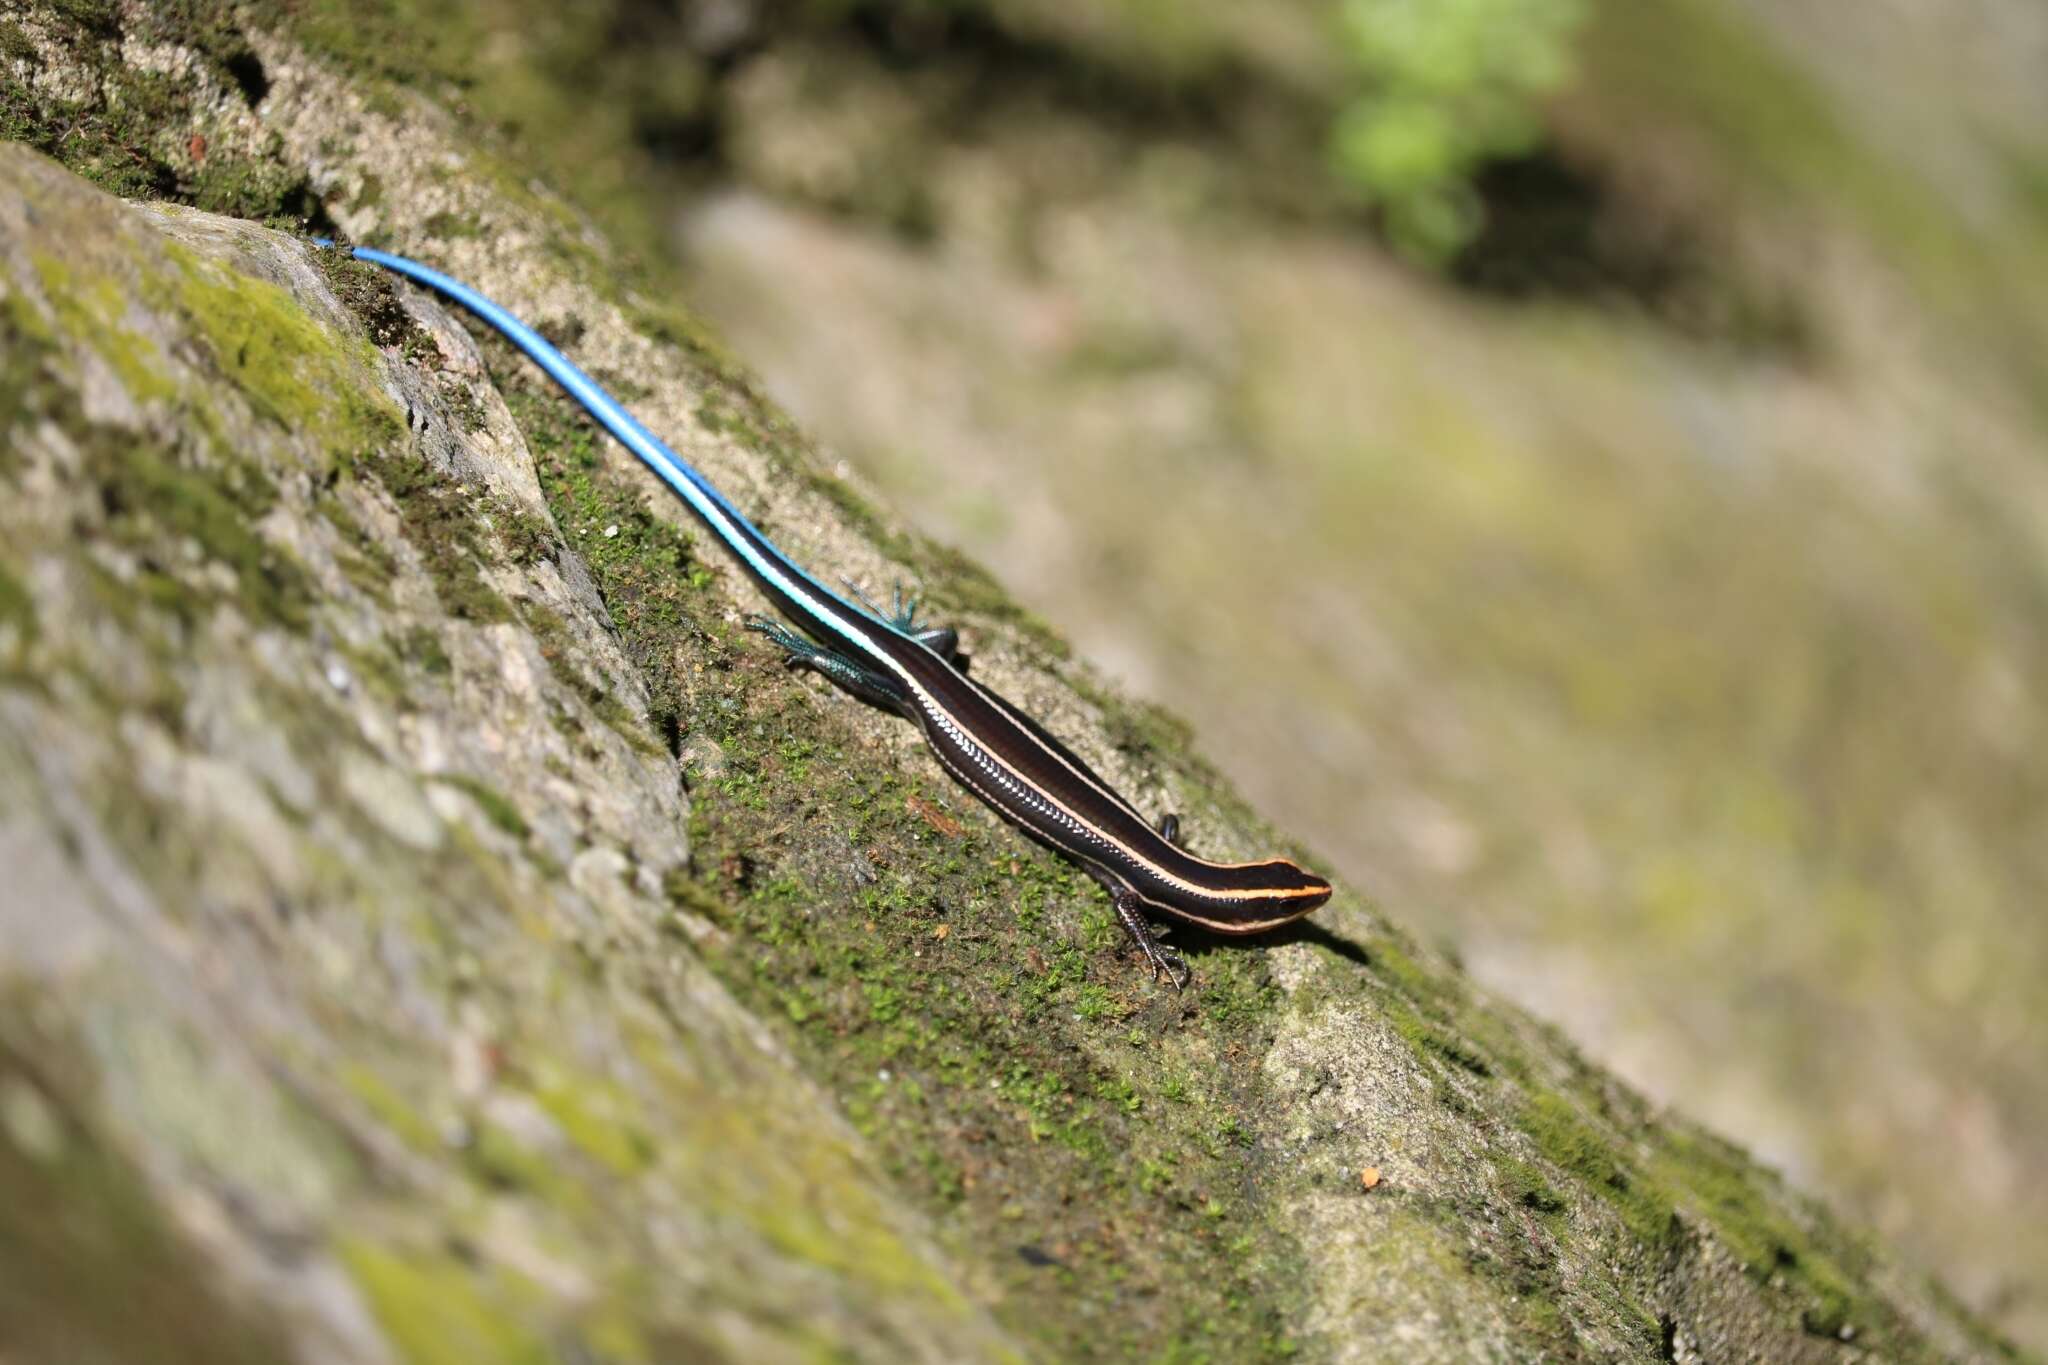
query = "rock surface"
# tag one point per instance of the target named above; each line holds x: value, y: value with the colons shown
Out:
x: 435, y: 931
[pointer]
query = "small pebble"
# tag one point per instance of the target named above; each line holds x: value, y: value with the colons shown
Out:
x: 1369, y: 1178
x: 611, y: 532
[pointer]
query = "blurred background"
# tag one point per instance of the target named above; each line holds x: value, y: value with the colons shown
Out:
x: 1581, y: 464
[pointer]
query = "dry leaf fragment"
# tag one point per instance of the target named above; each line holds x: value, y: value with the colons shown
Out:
x: 933, y: 816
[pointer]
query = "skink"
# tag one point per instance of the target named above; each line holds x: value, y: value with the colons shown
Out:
x: 995, y: 750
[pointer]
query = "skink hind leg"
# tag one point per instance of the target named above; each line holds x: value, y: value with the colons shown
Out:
x: 1169, y: 830
x: 870, y: 686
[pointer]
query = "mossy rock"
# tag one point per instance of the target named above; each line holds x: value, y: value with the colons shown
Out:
x: 441, y: 932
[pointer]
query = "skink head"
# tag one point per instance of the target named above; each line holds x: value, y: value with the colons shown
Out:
x: 1254, y: 897
x: 1303, y: 889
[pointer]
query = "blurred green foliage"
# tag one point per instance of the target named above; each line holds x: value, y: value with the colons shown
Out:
x: 1446, y: 85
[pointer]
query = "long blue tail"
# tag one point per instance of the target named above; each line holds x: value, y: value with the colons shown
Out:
x: 754, y: 549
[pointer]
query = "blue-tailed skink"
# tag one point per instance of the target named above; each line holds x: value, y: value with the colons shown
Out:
x: 995, y: 750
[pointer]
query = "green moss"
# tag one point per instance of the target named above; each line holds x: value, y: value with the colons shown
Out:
x: 1443, y: 1023
x: 1431, y: 1040
x: 1523, y: 1184
x: 495, y: 805
x: 1574, y: 1146
x: 621, y: 721
x: 154, y: 502
x: 528, y: 539
x: 389, y: 1108
x: 617, y: 1339
x: 686, y: 892
x: 1746, y: 1209
x: 161, y: 504
x: 866, y: 1252
x: 369, y: 292
x: 17, y: 609
x: 158, y: 498
x: 26, y: 347
x: 1815, y: 1269
x: 437, y: 1310
x: 15, y: 45
x: 423, y: 647
x: 551, y: 633
x: 1399, y: 969
x: 598, y: 1118
x: 93, y: 311
x: 443, y: 524
x: 814, y: 1200
x: 451, y: 226
x: 259, y: 338
x: 378, y: 668
x: 503, y: 1162
x: 677, y: 327
x: 294, y: 372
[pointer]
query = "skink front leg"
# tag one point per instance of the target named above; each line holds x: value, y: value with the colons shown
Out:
x: 1130, y: 910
